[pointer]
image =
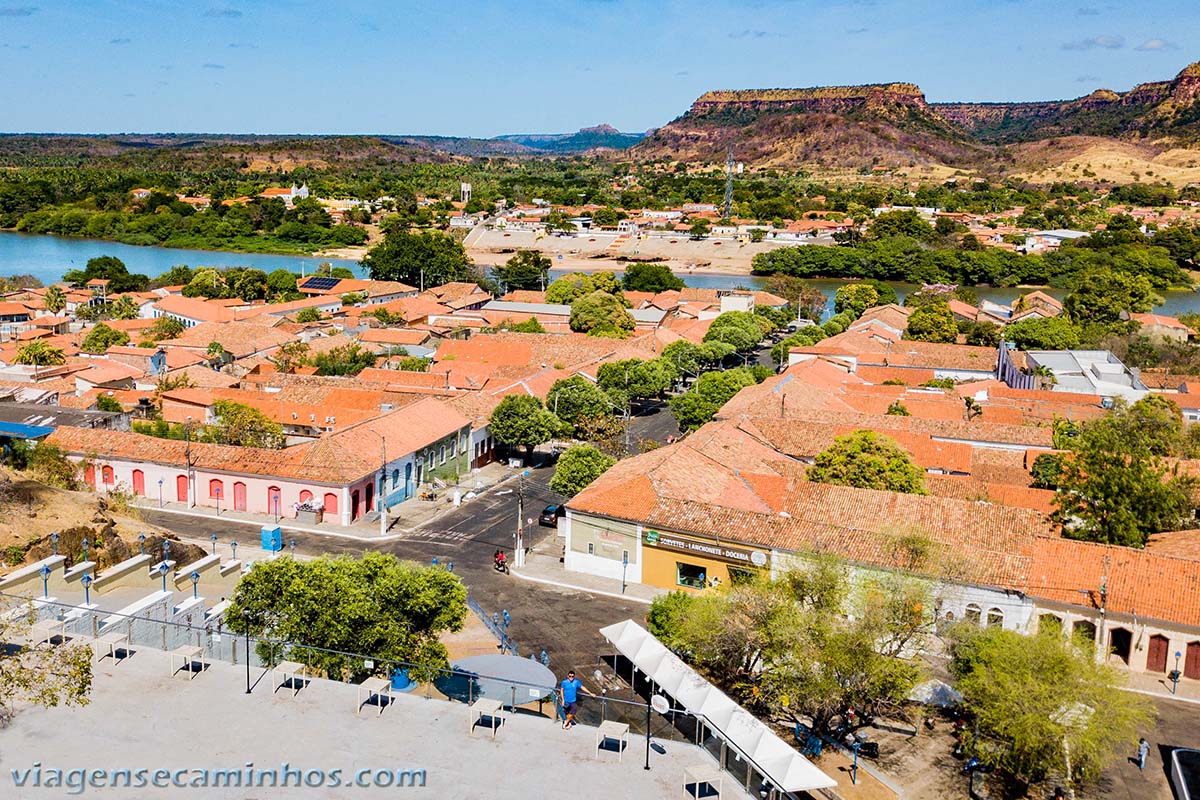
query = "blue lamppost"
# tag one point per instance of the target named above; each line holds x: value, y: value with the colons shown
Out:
x: 163, y: 569
x: 1175, y: 674
x: 434, y: 562
x: 449, y: 566
x: 854, y: 766
x: 142, y: 543
x: 507, y: 618
x: 624, y: 567
x: 195, y: 576
x: 45, y: 580
x: 233, y: 547
x: 292, y: 544
x: 545, y: 659
x: 54, y: 542
x: 166, y: 550
x: 86, y: 580
x: 213, y: 538
x: 160, y: 493
x: 84, y: 545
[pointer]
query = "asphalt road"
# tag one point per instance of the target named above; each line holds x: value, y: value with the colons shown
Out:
x: 564, y: 622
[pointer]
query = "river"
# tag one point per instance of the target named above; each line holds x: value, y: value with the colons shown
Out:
x: 48, y: 257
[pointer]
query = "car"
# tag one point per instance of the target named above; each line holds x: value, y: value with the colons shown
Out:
x: 550, y: 515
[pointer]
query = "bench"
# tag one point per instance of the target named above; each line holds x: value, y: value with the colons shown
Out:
x: 188, y: 655
x: 117, y: 640
x: 374, y: 688
x: 486, y: 707
x: 616, y: 731
x: 293, y: 673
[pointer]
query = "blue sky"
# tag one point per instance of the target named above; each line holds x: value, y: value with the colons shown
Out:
x: 487, y: 68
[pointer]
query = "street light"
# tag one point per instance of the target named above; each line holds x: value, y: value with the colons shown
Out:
x: 213, y: 538
x: 292, y: 544
x: 383, y: 525
x: 142, y: 543
x: 624, y: 566
x: 195, y: 576
x: 54, y: 541
x: 45, y: 570
x: 246, y: 619
x: 84, y: 545
x: 217, y: 492
x: 166, y: 550
x: 160, y: 493
x: 1175, y: 674
x: 233, y: 547
x: 86, y: 580
x: 519, y: 555
x: 163, y: 569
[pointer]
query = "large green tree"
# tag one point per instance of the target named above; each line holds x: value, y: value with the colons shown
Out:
x: 855, y: 298
x: 711, y: 390
x: 39, y: 354
x: 354, y: 609
x: 244, y: 426
x: 55, y: 299
x: 420, y: 258
x: 868, y: 460
x: 528, y: 269
x: 522, y: 421
x: 650, y: 277
x: 576, y: 398
x: 346, y: 359
x: 1034, y: 333
x: 601, y: 314
x: 40, y: 676
x: 101, y: 337
x: 1033, y: 698
x: 1100, y: 295
x: 740, y: 329
x: 933, y: 322
x: 577, y: 468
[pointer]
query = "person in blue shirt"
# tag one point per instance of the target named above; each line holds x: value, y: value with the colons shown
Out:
x: 569, y: 692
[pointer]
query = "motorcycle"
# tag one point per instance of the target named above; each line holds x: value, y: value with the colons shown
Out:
x: 500, y: 564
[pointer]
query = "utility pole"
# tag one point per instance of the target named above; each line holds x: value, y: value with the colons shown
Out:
x: 382, y: 486
x: 519, y: 551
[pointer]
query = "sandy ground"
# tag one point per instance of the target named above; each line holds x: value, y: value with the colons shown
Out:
x: 600, y: 251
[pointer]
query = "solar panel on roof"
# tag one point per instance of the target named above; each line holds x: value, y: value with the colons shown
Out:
x: 320, y: 283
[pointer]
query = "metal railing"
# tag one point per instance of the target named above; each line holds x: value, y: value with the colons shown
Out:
x: 497, y: 622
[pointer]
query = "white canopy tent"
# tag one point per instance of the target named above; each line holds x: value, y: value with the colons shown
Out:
x: 775, y: 758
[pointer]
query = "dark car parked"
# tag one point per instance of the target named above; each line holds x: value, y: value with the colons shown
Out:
x: 550, y: 515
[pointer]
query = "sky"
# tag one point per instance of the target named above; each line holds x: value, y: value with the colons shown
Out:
x: 463, y: 68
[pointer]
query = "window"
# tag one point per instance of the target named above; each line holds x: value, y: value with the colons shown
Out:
x: 395, y: 478
x: 624, y: 556
x: 454, y: 447
x: 591, y: 548
x: 741, y: 577
x: 690, y: 575
x: 972, y: 614
x: 442, y: 454
x: 995, y: 618
x: 106, y: 475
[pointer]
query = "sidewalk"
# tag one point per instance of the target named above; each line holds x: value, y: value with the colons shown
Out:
x: 402, y: 518
x: 1158, y: 685
x: 542, y: 565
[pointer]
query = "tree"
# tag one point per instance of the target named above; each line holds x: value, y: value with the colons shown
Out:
x: 281, y: 283
x: 898, y: 409
x: 306, y: 315
x: 567, y: 288
x: 522, y: 421
x: 711, y: 390
x: 601, y: 314
x: 635, y: 379
x: 55, y: 299
x: 1100, y: 295
x: 164, y: 328
x: 1031, y: 698
x: 124, y: 307
x: 41, y: 676
x: 868, y: 460
x: 346, y: 359
x: 1114, y: 487
x: 249, y: 284
x: 907, y: 223
x: 807, y: 645
x: 577, y: 468
x: 373, y: 607
x: 413, y: 364
x: 530, y: 325
x: 39, y: 354
x: 932, y: 323
x: 101, y: 337
x: 576, y: 398
x: 807, y: 301
x: 649, y: 277
x: 739, y: 329
x: 528, y: 269
x: 245, y: 426
x: 700, y: 229
x: 855, y: 298
x: 1055, y: 333
x: 106, y: 402
x: 290, y: 355
x: 208, y: 282
x: 419, y: 258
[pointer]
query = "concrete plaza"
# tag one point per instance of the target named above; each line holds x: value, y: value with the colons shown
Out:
x: 140, y: 716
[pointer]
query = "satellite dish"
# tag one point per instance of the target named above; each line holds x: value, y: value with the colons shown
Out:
x: 660, y: 704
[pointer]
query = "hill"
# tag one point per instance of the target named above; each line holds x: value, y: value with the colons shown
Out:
x: 599, y: 137
x: 847, y: 126
x: 891, y: 125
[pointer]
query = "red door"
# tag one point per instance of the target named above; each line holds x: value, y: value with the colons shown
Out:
x: 89, y: 475
x: 354, y: 509
x: 370, y: 497
x: 331, y: 504
x: 1156, y: 654
x: 274, y: 501
x: 1191, y: 662
x: 139, y: 483
x: 239, y: 496
x: 181, y: 492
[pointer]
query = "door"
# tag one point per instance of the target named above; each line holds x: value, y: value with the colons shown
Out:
x: 89, y: 475
x: 239, y: 496
x: 354, y: 504
x: 1191, y: 662
x: 274, y: 500
x: 181, y: 492
x: 1156, y: 654
x: 1120, y: 642
x: 331, y: 504
x: 139, y: 483
x: 370, y: 497
x: 408, y: 487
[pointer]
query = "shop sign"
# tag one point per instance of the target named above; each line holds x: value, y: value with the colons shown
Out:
x: 723, y: 552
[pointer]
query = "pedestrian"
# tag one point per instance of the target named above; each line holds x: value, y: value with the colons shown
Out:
x: 1143, y: 751
x: 569, y: 692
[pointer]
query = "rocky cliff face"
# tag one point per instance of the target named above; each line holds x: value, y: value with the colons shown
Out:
x: 826, y: 100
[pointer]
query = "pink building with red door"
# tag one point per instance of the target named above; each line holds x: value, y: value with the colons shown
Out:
x: 345, y: 472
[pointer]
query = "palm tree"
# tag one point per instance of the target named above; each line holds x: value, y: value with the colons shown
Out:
x: 55, y: 299
x: 124, y: 308
x: 39, y: 354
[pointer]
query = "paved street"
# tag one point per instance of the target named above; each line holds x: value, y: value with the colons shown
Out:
x: 564, y: 622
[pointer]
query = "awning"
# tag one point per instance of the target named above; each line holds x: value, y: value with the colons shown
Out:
x: 776, y: 759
